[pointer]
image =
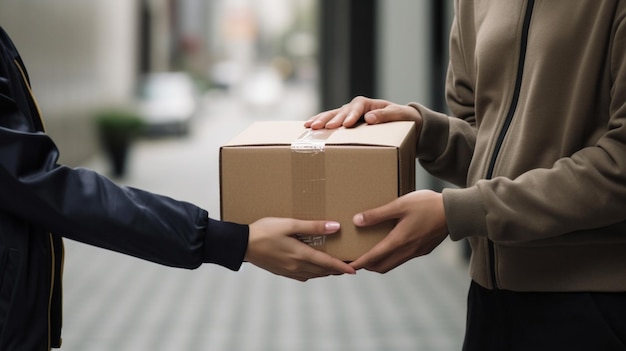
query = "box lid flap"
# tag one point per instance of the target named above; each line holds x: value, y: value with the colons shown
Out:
x: 286, y: 132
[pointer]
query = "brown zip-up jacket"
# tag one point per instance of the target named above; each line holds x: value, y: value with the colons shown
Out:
x: 537, y: 142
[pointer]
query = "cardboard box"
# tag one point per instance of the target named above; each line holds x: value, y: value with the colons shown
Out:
x: 281, y: 169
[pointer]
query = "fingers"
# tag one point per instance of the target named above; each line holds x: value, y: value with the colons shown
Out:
x: 320, y: 120
x: 375, y: 259
x: 357, y: 108
x: 367, y: 259
x: 420, y: 227
x: 273, y: 247
x: 379, y: 260
x: 310, y: 263
x: 373, y: 111
x: 348, y: 115
x: 324, y: 263
x: 321, y: 263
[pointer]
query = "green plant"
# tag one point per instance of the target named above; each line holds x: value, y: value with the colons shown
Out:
x: 118, y: 125
x: 117, y: 128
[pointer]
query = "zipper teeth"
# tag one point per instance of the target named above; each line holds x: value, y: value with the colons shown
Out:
x: 30, y: 91
x: 516, y: 91
x: 509, y: 119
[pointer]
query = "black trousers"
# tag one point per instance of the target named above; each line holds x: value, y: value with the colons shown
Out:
x: 504, y: 320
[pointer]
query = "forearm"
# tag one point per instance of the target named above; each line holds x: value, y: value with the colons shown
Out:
x: 578, y: 193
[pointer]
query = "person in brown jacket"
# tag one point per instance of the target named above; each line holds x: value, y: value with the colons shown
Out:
x: 536, y: 142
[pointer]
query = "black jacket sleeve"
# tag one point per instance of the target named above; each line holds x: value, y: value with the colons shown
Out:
x: 85, y: 206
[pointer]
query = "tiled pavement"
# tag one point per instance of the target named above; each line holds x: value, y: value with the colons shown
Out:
x: 119, y: 303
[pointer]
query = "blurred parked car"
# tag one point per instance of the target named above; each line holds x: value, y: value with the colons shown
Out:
x: 167, y: 103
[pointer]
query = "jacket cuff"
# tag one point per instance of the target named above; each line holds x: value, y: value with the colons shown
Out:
x: 465, y: 214
x: 225, y: 244
x: 432, y: 140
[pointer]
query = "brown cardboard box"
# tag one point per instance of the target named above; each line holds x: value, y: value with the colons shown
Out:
x: 281, y: 169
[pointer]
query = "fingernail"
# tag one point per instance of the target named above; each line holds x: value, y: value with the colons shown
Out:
x: 370, y: 118
x: 358, y: 219
x: 332, y: 226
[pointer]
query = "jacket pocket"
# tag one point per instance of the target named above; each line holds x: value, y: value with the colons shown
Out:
x: 8, y: 274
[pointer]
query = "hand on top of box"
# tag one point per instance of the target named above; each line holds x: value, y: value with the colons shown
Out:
x: 273, y: 247
x: 373, y: 111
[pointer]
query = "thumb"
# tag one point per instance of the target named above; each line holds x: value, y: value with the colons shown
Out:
x: 376, y: 215
x: 390, y: 113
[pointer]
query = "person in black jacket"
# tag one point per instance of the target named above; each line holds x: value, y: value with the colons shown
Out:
x: 42, y: 201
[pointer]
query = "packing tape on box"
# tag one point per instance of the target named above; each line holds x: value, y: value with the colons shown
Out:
x: 309, y: 179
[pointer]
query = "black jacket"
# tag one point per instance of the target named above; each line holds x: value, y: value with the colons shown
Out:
x: 42, y: 201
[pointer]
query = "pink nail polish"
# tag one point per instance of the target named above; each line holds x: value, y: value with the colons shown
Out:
x: 331, y: 226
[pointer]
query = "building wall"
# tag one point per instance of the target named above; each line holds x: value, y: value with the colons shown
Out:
x: 403, y: 55
x: 80, y: 55
x: 84, y: 54
x: 406, y: 61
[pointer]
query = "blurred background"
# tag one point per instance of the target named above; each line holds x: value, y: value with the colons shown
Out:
x: 183, y: 77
